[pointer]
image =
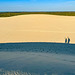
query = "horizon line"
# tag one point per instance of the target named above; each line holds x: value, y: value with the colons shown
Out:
x: 36, y: 11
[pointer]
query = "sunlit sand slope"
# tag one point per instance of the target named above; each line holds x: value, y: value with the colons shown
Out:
x: 37, y: 28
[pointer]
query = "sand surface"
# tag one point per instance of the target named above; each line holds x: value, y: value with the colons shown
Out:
x: 39, y: 63
x: 37, y: 28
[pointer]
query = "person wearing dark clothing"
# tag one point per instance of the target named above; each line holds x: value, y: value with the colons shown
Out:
x: 65, y: 40
x: 68, y: 40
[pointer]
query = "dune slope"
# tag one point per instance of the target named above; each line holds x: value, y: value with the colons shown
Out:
x: 37, y: 28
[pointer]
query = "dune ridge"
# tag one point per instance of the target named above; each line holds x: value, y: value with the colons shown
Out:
x: 37, y: 28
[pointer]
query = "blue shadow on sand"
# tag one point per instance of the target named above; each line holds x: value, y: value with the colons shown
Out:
x: 37, y: 58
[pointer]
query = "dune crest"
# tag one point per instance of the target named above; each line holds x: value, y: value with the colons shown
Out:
x: 37, y: 28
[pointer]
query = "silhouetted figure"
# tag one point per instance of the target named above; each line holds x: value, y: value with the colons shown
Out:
x: 68, y: 40
x: 65, y: 40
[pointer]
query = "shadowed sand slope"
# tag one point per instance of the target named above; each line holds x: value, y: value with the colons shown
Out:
x: 36, y: 63
x: 37, y: 28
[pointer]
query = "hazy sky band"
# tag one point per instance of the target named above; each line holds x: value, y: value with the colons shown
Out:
x: 37, y: 5
x: 36, y: 0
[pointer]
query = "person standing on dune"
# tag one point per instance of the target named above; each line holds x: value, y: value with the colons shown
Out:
x: 65, y: 40
x: 68, y: 40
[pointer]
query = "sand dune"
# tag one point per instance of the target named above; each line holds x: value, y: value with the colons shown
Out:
x: 37, y: 28
x: 37, y: 63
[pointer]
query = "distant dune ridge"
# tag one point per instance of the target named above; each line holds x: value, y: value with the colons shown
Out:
x: 37, y: 28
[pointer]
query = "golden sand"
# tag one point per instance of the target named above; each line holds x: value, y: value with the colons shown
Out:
x: 37, y: 28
